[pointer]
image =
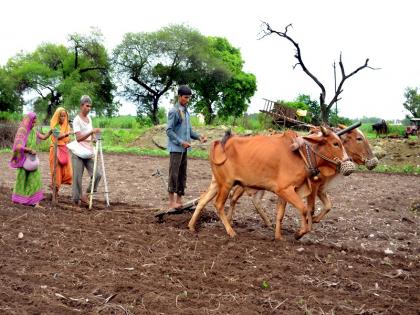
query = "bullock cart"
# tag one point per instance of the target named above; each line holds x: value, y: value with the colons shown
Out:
x: 282, y: 115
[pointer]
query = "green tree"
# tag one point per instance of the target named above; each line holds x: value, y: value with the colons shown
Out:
x: 59, y: 75
x: 305, y: 102
x: 219, y: 82
x: 149, y: 64
x: 92, y: 72
x: 39, y: 72
x: 313, y: 107
x: 412, y: 102
x: 10, y: 98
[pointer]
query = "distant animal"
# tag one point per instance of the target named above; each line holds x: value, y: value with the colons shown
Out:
x: 381, y: 128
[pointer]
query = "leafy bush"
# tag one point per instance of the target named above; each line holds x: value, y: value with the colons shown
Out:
x: 253, y: 122
x: 7, y: 116
x: 335, y: 120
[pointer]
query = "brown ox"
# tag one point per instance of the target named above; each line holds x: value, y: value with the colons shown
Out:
x: 267, y: 163
x: 359, y: 151
x: 356, y: 146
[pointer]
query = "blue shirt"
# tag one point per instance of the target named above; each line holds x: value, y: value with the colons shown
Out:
x: 179, y: 129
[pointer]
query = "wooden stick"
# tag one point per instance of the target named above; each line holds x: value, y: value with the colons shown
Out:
x: 56, y: 133
x: 95, y: 162
x: 103, y: 171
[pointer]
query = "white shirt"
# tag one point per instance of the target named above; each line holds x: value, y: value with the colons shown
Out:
x: 79, y: 125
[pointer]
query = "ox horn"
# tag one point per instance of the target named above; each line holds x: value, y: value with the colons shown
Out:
x: 348, y: 129
x: 324, y: 131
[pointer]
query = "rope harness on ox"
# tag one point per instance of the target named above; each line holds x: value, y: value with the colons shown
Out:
x: 345, y: 167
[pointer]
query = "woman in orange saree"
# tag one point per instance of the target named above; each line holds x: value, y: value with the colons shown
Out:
x: 63, y: 171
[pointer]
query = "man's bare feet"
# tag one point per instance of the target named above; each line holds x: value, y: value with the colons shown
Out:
x: 77, y: 207
x: 84, y: 199
x: 175, y: 205
x: 38, y: 206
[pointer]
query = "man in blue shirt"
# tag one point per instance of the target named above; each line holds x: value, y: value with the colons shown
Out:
x: 180, y: 135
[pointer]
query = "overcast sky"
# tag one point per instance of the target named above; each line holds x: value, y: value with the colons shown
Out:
x: 386, y: 32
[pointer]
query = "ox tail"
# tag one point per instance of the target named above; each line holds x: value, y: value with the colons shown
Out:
x: 217, y: 153
x: 217, y: 149
x: 226, y: 137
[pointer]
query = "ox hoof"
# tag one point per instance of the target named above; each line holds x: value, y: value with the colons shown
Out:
x: 316, y: 219
x: 298, y: 235
x: 232, y: 234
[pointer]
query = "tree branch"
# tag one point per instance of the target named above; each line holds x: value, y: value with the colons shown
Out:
x: 344, y: 77
x: 267, y: 30
x: 91, y: 68
x: 144, y: 85
x: 298, y: 56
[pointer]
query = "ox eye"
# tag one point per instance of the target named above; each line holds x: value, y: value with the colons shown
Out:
x: 359, y: 139
x: 336, y: 144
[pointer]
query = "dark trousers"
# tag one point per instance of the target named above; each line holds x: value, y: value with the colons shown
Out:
x: 79, y: 166
x: 177, y: 173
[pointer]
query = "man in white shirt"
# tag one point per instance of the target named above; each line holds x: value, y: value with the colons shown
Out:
x: 85, y: 134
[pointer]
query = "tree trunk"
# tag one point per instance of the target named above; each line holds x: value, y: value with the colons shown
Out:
x: 155, y: 110
x: 52, y: 105
x: 209, y: 115
x: 325, y: 115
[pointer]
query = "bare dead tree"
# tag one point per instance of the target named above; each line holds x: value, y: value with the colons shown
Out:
x: 325, y: 108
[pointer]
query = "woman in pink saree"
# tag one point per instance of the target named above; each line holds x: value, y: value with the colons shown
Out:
x: 28, y: 186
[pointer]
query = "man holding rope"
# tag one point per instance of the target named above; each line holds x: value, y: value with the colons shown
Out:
x: 179, y: 133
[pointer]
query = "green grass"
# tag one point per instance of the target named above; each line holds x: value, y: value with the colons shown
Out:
x: 16, y: 117
x: 120, y: 137
x: 404, y: 169
x: 151, y: 152
x: 119, y: 122
x: 254, y: 122
x: 119, y: 133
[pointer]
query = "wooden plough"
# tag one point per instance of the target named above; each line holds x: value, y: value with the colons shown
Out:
x: 186, y: 207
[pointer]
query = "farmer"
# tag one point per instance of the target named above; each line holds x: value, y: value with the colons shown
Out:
x: 85, y: 134
x: 63, y: 170
x: 179, y: 142
x: 28, y: 186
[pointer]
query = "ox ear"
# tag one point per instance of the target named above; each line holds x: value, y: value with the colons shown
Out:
x: 341, y: 126
x: 315, y: 137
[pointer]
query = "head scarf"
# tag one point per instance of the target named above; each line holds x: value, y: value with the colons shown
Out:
x: 21, y: 138
x: 64, y: 127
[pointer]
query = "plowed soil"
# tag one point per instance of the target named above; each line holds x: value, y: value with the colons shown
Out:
x: 363, y: 258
